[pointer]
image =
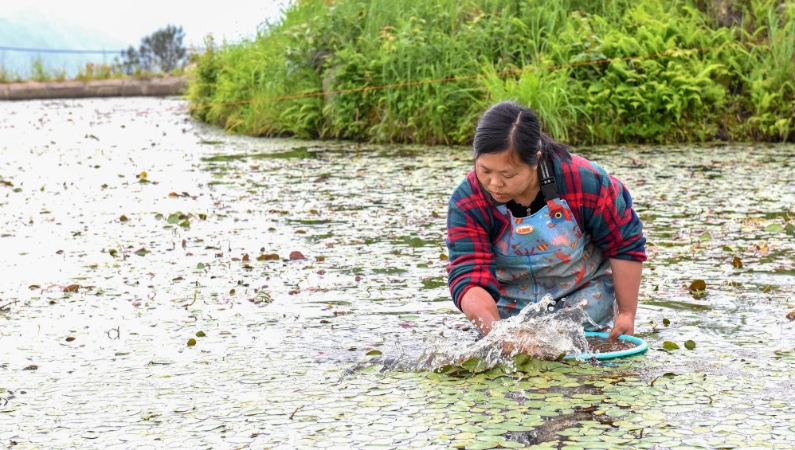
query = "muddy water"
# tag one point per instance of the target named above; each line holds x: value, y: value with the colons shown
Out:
x: 168, y: 286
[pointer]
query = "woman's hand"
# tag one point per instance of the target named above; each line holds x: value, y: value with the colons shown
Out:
x: 623, y: 323
x: 522, y: 342
x: 480, y: 309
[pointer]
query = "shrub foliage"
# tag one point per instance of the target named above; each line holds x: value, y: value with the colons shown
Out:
x: 645, y: 71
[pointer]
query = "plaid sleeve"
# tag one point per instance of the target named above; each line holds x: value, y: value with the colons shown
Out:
x: 470, y: 224
x: 605, y: 209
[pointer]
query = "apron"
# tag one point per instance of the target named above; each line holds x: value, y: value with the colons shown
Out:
x: 547, y: 253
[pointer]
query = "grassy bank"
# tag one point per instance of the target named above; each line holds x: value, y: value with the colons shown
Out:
x: 596, y: 71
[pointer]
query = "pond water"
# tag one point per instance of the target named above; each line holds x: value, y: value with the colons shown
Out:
x: 165, y: 285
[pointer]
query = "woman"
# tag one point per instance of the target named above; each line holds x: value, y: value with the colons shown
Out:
x: 532, y: 219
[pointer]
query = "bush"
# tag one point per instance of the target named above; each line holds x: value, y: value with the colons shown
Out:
x: 597, y: 72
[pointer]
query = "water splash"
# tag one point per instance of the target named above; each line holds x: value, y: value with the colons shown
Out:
x: 535, y: 331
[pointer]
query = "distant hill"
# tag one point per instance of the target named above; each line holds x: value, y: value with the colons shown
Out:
x: 28, y: 29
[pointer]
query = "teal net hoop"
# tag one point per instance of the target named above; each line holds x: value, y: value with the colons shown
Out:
x: 640, y: 347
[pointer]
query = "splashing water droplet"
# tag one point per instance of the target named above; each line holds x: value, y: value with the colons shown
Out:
x: 538, y: 330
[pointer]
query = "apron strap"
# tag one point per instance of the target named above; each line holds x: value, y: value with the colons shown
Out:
x: 549, y: 187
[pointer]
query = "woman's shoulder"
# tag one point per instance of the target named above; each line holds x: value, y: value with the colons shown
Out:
x: 581, y: 174
x: 577, y: 162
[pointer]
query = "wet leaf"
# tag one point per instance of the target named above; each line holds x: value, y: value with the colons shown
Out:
x: 141, y: 251
x: 698, y: 289
x: 123, y: 218
x: 191, y: 342
x: 774, y: 227
x: 666, y: 322
x: 200, y: 334
x: 268, y: 257
x: 690, y: 344
x: 668, y: 345
x: 200, y: 266
x: 374, y: 353
x: 174, y: 218
x: 475, y: 365
x: 31, y: 367
x: 296, y: 255
x: 791, y: 315
x: 185, y: 224
x: 71, y: 288
x: 737, y: 263
x: 70, y: 339
x: 705, y: 236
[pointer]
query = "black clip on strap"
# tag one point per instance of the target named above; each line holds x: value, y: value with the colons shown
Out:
x: 547, y: 180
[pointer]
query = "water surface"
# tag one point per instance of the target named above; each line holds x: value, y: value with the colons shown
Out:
x: 128, y: 230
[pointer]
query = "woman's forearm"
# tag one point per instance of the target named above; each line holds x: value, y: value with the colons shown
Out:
x: 626, y: 281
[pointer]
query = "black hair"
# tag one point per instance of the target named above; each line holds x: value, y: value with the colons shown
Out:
x: 508, y: 126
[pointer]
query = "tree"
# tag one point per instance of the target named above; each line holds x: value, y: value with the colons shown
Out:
x: 161, y: 50
x: 130, y: 60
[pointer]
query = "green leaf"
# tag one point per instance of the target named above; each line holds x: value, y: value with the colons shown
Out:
x: 690, y: 345
x: 174, y: 218
x: 706, y: 236
x: 475, y: 365
x: 774, y: 227
x: 668, y: 345
x: 191, y: 342
x: 200, y: 334
x: 142, y: 252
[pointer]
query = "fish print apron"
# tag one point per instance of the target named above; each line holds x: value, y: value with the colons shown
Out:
x: 547, y: 253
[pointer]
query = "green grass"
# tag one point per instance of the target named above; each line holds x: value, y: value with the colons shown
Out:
x: 8, y: 76
x: 40, y: 72
x: 596, y: 71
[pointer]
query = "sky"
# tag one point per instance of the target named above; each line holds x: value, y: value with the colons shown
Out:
x: 113, y: 26
x: 230, y: 19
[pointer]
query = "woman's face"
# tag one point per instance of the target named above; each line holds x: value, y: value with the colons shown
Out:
x: 506, y: 178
